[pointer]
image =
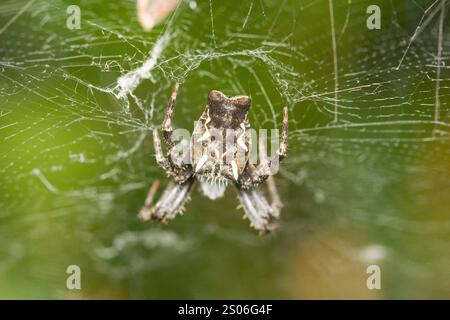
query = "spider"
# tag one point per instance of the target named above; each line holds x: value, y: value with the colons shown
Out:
x: 221, y: 114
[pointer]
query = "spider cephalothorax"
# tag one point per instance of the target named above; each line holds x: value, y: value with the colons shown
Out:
x: 218, y: 155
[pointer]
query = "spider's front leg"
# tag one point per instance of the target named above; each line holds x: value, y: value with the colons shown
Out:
x: 260, y: 213
x: 179, y: 172
x: 170, y: 204
x: 176, y: 193
x: 162, y: 161
x: 263, y: 170
x: 167, y: 123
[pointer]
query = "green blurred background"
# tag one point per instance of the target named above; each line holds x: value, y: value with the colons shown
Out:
x: 366, y: 180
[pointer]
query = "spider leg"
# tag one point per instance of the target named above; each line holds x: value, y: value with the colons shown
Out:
x: 284, y: 131
x: 276, y: 203
x: 160, y: 159
x: 151, y: 193
x: 256, y: 208
x: 167, y: 123
x: 263, y: 170
x: 179, y: 173
x: 170, y: 204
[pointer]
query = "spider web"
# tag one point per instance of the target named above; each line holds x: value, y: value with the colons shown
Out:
x: 368, y: 140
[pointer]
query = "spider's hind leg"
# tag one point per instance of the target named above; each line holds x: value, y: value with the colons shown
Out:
x: 276, y: 203
x: 170, y: 204
x: 257, y: 209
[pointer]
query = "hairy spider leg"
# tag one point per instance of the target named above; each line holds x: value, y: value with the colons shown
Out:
x: 257, y: 209
x: 180, y: 173
x: 170, y: 204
